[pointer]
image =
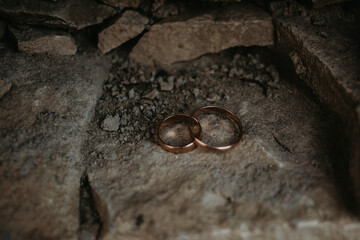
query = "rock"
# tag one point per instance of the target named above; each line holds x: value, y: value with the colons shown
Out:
x: 128, y: 26
x: 298, y: 64
x: 213, y: 98
x: 162, y: 9
x: 74, y: 14
x: 322, y: 3
x: 123, y: 3
x: 111, y: 123
x: 333, y: 77
x: 44, y: 118
x: 185, y: 39
x: 276, y: 183
x: 274, y: 73
x: 131, y: 93
x: 166, y: 85
x: 152, y: 95
x: 5, y: 86
x: 39, y: 40
x: 2, y: 29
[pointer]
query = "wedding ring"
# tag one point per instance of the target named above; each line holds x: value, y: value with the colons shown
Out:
x: 228, y: 114
x: 179, y: 118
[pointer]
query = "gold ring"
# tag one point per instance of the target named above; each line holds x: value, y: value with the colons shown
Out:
x: 228, y: 114
x: 179, y: 118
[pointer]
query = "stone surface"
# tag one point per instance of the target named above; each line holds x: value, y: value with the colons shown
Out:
x: 278, y: 183
x: 43, y: 120
x: 40, y: 40
x: 183, y: 39
x: 322, y: 3
x: 128, y: 26
x: 330, y: 66
x: 123, y: 3
x: 75, y: 14
x: 162, y: 9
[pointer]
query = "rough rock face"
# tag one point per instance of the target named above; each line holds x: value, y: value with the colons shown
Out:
x: 278, y: 183
x: 128, y: 26
x: 43, y: 120
x: 314, y: 50
x: 186, y: 38
x: 75, y: 14
x: 34, y: 40
x: 123, y: 3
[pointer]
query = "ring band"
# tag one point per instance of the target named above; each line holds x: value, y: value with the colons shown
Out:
x: 228, y: 114
x: 179, y: 118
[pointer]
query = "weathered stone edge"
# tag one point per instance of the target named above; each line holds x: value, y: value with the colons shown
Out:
x: 332, y: 92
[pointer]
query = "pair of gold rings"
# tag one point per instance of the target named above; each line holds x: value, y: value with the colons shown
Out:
x: 197, y: 134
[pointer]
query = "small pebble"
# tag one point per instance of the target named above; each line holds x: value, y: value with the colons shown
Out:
x: 111, y: 123
x: 131, y: 93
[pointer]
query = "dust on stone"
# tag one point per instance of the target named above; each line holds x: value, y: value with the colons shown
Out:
x: 142, y: 96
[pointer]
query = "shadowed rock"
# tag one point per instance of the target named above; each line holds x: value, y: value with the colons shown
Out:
x: 326, y: 58
x: 75, y: 14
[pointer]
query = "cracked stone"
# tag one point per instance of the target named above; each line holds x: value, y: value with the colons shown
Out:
x: 181, y: 39
x: 43, y: 121
x: 128, y: 26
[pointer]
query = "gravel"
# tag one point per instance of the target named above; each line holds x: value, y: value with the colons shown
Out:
x: 143, y: 96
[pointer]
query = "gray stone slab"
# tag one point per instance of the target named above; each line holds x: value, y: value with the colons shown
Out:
x: 43, y: 119
x: 188, y: 37
x: 278, y: 183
